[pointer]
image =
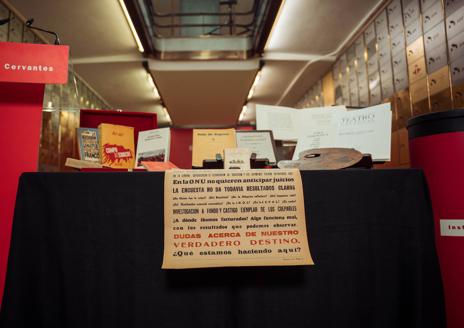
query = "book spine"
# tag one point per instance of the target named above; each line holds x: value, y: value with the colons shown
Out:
x: 100, y: 145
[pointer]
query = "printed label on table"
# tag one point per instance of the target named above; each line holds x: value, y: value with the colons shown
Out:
x: 221, y: 218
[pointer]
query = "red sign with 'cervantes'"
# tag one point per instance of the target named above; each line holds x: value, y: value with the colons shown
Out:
x: 33, y: 63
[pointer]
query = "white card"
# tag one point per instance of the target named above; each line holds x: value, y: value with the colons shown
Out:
x: 237, y: 158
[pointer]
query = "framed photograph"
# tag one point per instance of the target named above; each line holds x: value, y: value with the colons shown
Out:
x: 260, y: 142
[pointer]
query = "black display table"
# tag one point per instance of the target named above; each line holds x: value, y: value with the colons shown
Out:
x: 87, y: 250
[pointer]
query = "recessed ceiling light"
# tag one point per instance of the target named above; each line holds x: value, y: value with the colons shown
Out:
x: 152, y: 85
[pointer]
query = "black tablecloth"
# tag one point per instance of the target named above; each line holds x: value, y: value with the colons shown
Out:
x: 87, y: 250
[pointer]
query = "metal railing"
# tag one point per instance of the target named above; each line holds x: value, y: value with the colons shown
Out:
x: 228, y: 22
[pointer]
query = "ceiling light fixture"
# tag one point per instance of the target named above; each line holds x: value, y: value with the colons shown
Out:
x: 152, y: 84
x: 253, y: 86
x: 257, y: 78
x: 150, y: 80
x: 251, y: 93
x: 242, y: 114
x: 166, y: 114
x: 131, y: 25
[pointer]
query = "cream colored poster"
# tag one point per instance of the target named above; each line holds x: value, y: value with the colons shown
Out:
x: 220, y: 218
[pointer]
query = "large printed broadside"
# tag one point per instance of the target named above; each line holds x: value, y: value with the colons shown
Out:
x: 220, y: 218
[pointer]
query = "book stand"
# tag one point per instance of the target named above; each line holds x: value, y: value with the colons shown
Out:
x: 24, y: 71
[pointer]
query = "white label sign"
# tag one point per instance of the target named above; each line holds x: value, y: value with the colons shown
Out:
x: 452, y: 228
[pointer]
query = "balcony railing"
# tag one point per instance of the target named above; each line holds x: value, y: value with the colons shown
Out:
x: 211, y: 19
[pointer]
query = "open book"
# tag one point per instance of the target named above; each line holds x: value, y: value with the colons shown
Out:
x: 367, y: 130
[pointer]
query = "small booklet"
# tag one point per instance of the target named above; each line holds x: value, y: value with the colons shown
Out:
x: 158, y: 166
x: 88, y: 143
x: 153, y: 146
x: 81, y: 164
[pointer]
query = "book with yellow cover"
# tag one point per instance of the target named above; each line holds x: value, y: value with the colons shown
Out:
x: 117, y: 145
x: 209, y: 142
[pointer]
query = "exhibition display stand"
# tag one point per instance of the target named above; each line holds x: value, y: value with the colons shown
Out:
x: 87, y: 249
x: 436, y: 144
x: 24, y: 71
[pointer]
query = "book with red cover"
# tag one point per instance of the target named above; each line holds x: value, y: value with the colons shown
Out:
x: 158, y: 166
x: 181, y: 147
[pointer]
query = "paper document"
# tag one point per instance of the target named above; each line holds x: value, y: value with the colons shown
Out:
x: 367, y: 130
x: 259, y: 142
x: 281, y: 120
x: 317, y: 128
